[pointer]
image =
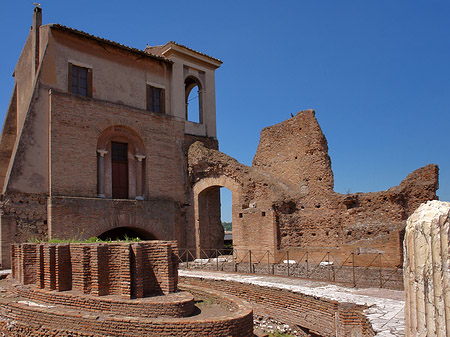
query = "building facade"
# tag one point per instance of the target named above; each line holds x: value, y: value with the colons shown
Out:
x: 96, y: 136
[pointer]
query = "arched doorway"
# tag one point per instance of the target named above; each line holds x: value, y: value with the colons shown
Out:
x: 209, y: 232
x: 121, y: 233
x: 226, y: 216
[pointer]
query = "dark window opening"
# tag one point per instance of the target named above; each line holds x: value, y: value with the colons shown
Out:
x: 240, y: 215
x: 155, y: 99
x: 119, y: 161
x: 263, y: 213
x: 80, y: 80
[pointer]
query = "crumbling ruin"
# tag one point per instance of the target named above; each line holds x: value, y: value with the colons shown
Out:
x: 285, y: 200
x: 110, y: 289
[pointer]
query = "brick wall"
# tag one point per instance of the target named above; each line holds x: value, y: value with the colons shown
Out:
x: 130, y: 318
x: 83, y: 218
x: 126, y: 269
x: 321, y: 316
x: 76, y: 125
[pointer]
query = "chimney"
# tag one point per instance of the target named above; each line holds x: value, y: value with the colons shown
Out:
x: 37, y: 22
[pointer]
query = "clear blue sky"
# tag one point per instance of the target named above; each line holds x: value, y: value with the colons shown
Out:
x: 376, y: 72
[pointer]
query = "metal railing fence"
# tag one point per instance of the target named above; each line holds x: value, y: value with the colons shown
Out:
x: 362, y: 270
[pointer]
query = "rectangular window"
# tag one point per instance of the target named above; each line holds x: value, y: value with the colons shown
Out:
x: 119, y: 168
x: 80, y: 80
x: 155, y: 99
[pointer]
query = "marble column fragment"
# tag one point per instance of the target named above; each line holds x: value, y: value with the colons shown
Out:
x: 426, y: 271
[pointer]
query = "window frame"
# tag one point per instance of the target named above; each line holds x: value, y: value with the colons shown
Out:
x: 88, y: 79
x: 162, y: 99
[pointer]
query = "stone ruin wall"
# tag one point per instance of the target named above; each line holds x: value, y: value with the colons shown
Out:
x: 289, y: 188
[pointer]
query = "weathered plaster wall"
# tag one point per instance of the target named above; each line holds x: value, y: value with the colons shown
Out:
x: 8, y: 137
x: 117, y: 78
x: 28, y: 167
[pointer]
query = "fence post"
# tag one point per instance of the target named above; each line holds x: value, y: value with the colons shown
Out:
x: 187, y: 259
x: 353, y: 269
x: 234, y: 259
x: 217, y: 260
x: 307, y: 263
x: 328, y: 265
x: 381, y: 272
x: 250, y: 258
x: 268, y: 263
x: 288, y: 262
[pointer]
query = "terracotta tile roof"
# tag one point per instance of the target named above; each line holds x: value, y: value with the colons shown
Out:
x: 193, y: 50
x: 109, y: 42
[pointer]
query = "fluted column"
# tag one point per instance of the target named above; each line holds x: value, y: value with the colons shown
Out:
x: 426, y: 271
x: 101, y: 173
x: 139, y: 178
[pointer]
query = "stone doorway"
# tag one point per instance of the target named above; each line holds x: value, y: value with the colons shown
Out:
x: 209, y: 232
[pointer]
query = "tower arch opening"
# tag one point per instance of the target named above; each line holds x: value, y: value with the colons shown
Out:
x: 193, y: 100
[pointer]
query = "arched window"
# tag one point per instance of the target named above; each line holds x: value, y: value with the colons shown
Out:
x: 120, y: 164
x: 193, y: 100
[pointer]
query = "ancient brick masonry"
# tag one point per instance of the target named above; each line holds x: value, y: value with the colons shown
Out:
x: 111, y: 289
x: 321, y: 316
x: 132, y: 270
x: 285, y: 200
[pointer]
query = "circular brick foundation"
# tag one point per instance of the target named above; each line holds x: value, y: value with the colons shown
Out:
x: 29, y: 312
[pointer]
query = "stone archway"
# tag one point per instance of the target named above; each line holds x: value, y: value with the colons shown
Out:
x: 208, y: 227
x: 122, y: 233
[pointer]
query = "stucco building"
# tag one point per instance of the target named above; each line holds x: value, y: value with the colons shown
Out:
x: 96, y: 136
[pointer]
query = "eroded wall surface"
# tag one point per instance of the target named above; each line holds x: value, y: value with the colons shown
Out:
x: 285, y: 200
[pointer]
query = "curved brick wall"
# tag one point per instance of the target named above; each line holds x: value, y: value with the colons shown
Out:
x: 320, y: 316
x: 180, y: 304
x: 17, y: 319
x: 100, y: 289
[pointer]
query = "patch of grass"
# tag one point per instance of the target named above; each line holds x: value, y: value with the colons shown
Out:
x: 90, y: 240
x: 206, y: 301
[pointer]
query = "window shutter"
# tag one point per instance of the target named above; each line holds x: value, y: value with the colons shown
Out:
x: 163, y: 101
x: 148, y: 97
x: 70, y: 78
x: 89, y: 83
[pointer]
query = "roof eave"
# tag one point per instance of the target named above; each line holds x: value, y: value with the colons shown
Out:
x: 108, y: 42
x: 172, y: 47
